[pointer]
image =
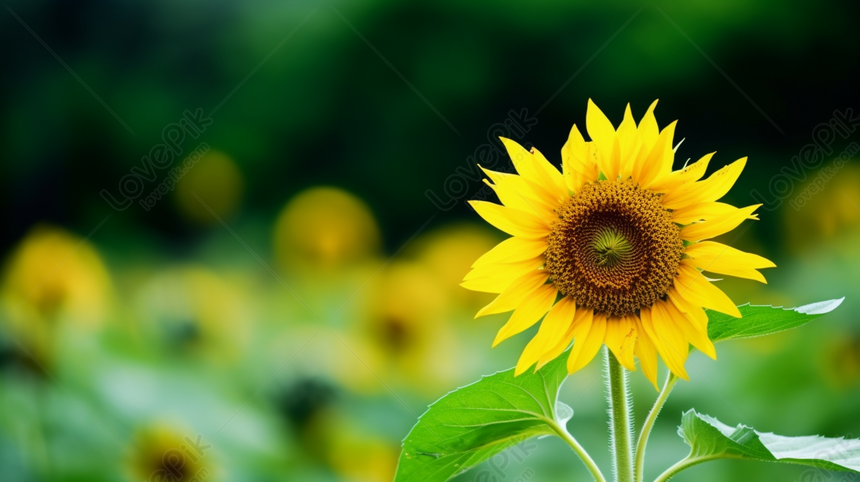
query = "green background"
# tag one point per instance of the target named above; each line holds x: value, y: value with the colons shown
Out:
x: 215, y: 325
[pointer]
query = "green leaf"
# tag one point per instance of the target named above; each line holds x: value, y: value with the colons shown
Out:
x: 475, y: 422
x: 711, y: 439
x: 764, y: 320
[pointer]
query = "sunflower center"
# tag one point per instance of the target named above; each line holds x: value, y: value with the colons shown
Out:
x: 615, y: 248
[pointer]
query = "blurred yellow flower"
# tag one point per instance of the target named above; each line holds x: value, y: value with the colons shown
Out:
x: 192, y: 310
x: 824, y: 213
x: 611, y: 249
x: 53, y: 278
x: 401, y: 335
x: 324, y: 228
x: 842, y: 360
x: 163, y: 454
x: 449, y: 252
x: 218, y: 182
x: 358, y: 456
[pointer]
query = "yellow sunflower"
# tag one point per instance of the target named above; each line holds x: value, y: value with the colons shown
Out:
x: 612, y: 248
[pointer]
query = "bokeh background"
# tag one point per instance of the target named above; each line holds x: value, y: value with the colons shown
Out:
x: 291, y: 304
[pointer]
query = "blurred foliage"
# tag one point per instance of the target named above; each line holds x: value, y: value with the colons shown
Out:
x: 301, y: 328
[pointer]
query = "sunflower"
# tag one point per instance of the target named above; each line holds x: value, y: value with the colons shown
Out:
x: 612, y: 249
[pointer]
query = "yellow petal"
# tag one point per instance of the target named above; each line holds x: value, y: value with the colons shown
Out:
x: 719, y: 258
x: 704, y: 212
x: 667, y: 339
x: 520, y: 193
x: 629, y: 143
x: 553, y: 174
x: 515, y: 293
x: 658, y: 163
x: 649, y: 132
x: 528, y: 313
x: 711, y: 189
x: 696, y: 337
x: 494, y: 278
x: 578, y: 329
x: 691, y: 173
x: 647, y: 355
x: 585, y: 347
x: 512, y: 221
x: 695, y: 313
x: 602, y: 133
x: 512, y: 250
x: 578, y: 161
x: 695, y: 288
x: 530, y: 167
x: 552, y: 329
x: 512, y: 193
x: 621, y: 338
x: 717, y: 225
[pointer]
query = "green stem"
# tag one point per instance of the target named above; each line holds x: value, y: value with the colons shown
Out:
x: 619, y: 415
x: 586, y: 459
x: 686, y: 463
x: 639, y: 465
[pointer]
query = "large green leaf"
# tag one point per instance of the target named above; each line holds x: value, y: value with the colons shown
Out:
x: 473, y: 423
x: 764, y: 320
x: 711, y: 439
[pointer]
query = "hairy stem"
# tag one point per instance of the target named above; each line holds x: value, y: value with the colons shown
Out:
x: 649, y: 424
x: 620, y: 419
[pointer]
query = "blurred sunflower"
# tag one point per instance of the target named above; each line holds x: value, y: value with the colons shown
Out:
x: 448, y: 253
x: 217, y: 181
x: 402, y: 333
x: 612, y: 248
x: 51, y: 279
x: 358, y: 456
x: 824, y: 213
x: 191, y: 310
x: 161, y: 453
x: 323, y: 229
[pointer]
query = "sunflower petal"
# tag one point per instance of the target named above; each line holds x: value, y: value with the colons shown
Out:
x: 578, y: 329
x: 647, y: 355
x: 494, y: 278
x: 585, y: 347
x: 691, y: 173
x: 719, y: 258
x: 658, y: 163
x: 578, y: 161
x: 695, y: 288
x: 532, y: 168
x: 512, y: 250
x: 552, y: 328
x: 515, y: 293
x: 667, y: 339
x: 718, y: 225
x: 621, y: 338
x: 602, y: 133
x: 649, y: 132
x: 696, y: 314
x: 512, y: 221
x: 711, y: 189
x: 704, y: 212
x: 528, y: 313
x: 696, y: 338
x: 553, y: 174
x: 629, y: 143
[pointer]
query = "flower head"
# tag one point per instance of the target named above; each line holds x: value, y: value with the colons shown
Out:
x: 611, y: 249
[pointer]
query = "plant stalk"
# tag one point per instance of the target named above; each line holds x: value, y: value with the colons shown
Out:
x: 619, y: 419
x: 639, y: 466
x: 586, y: 459
x: 688, y: 462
